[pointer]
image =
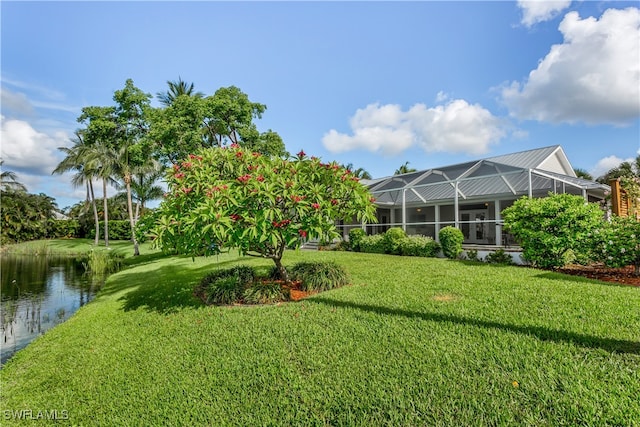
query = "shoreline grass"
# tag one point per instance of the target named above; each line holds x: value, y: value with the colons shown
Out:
x: 410, y: 342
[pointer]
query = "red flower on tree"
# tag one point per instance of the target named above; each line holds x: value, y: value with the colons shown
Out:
x: 302, y: 233
x: 315, y: 205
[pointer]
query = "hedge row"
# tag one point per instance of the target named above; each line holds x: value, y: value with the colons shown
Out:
x: 394, y: 242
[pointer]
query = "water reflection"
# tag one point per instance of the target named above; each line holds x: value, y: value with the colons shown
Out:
x: 39, y: 292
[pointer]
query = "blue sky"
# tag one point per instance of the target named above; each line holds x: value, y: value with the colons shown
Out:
x: 375, y: 84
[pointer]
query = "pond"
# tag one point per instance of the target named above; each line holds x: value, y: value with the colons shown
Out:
x: 38, y: 293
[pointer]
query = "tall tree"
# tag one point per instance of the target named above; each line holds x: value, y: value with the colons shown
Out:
x: 629, y: 175
x: 191, y: 123
x: 581, y: 173
x: 404, y: 169
x: 78, y: 159
x: 132, y: 105
x: 176, y: 89
x: 99, y: 135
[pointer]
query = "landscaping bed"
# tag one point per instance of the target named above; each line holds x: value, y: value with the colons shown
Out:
x: 624, y: 276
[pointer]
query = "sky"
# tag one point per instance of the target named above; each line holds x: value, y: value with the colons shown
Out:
x: 375, y: 84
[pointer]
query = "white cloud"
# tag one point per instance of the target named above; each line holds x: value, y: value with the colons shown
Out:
x: 25, y: 148
x: 457, y: 127
x: 534, y: 11
x: 15, y: 101
x: 607, y: 163
x: 592, y: 77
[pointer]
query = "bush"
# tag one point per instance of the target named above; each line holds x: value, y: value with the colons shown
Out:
x: 499, y: 257
x: 264, y: 293
x: 355, y: 237
x: 550, y: 227
x: 419, y: 246
x: 373, y: 244
x: 118, y: 230
x: 393, y: 240
x: 225, y: 286
x: 472, y: 255
x: 617, y: 244
x: 451, y: 240
x: 319, y: 276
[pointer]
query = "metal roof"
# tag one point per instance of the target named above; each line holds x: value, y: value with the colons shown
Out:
x: 495, y: 176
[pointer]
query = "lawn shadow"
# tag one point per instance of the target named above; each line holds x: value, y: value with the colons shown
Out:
x: 542, y: 333
x: 165, y: 290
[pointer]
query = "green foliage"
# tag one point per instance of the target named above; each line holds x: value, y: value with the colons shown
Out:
x: 266, y: 292
x: 617, y: 244
x: 499, y: 256
x: 225, y: 286
x: 118, y: 230
x: 451, y: 239
x: 549, y: 227
x: 374, y: 244
x: 190, y: 123
x: 422, y: 246
x: 319, y: 276
x: 355, y: 237
x: 235, y: 198
x: 26, y: 217
x: 101, y: 262
x: 393, y: 240
x: 472, y: 255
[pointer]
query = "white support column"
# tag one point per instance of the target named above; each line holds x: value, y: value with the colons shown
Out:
x: 456, y: 208
x: 530, y: 185
x: 437, y: 220
x: 584, y: 195
x: 404, y: 210
x: 498, y: 221
x: 392, y: 215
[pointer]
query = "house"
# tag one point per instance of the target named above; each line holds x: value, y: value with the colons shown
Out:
x: 472, y: 195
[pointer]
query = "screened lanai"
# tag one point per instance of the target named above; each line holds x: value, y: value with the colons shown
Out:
x: 472, y: 195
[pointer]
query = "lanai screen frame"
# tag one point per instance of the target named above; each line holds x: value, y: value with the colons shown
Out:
x: 507, y: 184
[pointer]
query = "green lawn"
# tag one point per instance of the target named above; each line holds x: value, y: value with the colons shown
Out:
x: 413, y: 341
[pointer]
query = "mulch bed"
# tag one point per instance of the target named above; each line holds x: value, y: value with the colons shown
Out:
x: 622, y: 276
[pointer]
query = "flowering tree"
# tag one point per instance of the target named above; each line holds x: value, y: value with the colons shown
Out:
x: 618, y: 243
x: 232, y: 197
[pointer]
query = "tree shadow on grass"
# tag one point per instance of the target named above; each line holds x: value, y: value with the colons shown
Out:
x: 164, y: 290
x: 542, y: 333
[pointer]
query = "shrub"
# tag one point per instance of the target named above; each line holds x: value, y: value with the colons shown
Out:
x: 617, y: 244
x: 472, y: 255
x: 118, y: 230
x: 499, y: 257
x: 419, y: 246
x: 355, y: 237
x: 225, y: 286
x: 319, y: 276
x: 451, y: 240
x: 550, y: 227
x: 393, y: 240
x: 264, y: 293
x: 373, y: 244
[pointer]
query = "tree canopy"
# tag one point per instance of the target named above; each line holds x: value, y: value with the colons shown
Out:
x: 235, y: 198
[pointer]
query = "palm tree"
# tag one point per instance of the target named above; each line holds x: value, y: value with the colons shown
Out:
x: 78, y: 159
x: 177, y: 88
x: 360, y: 173
x: 143, y: 185
x: 8, y: 181
x: 404, y: 169
x: 581, y: 173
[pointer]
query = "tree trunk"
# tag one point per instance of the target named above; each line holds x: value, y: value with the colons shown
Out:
x: 281, y: 269
x: 106, y: 213
x: 95, y: 211
x: 136, y: 249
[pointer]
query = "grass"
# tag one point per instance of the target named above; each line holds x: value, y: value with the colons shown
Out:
x: 414, y: 341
